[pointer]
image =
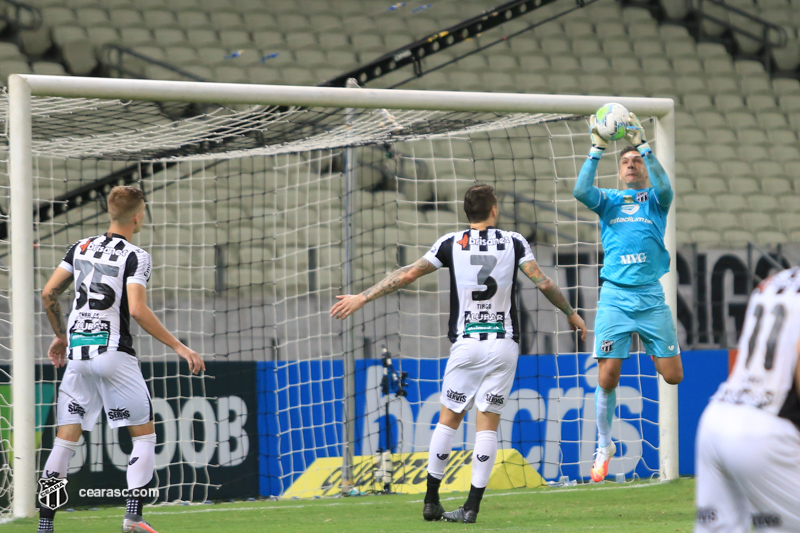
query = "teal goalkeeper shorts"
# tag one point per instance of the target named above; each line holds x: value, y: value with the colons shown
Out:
x: 622, y: 311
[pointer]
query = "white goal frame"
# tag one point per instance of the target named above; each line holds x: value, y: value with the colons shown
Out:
x: 23, y: 87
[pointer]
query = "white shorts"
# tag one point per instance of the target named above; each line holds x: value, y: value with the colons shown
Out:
x: 479, y: 373
x: 112, y: 380
x: 748, y: 471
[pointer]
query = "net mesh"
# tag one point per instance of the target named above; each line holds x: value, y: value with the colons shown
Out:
x: 247, y: 229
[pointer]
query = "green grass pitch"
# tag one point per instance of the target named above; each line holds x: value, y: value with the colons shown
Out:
x: 633, y: 507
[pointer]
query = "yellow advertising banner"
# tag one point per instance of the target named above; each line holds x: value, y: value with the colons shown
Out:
x: 409, y: 474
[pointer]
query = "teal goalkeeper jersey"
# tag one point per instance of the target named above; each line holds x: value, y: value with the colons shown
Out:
x: 632, y: 225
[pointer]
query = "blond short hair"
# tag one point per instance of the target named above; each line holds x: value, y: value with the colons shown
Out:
x: 124, y: 202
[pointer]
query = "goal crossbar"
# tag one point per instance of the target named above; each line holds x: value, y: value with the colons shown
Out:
x: 227, y: 93
x: 19, y: 129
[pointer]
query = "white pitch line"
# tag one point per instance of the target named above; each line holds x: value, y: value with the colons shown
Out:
x: 370, y: 502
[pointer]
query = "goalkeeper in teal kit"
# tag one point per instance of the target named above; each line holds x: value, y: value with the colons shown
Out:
x: 632, y: 221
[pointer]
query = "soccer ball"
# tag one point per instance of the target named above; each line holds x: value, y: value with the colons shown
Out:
x: 612, y: 121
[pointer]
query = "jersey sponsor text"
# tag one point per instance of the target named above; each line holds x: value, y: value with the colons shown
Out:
x: 106, y: 250
x: 629, y: 259
x: 75, y: 409
x: 118, y: 414
x: 495, y: 399
x: 630, y: 219
x: 456, y: 396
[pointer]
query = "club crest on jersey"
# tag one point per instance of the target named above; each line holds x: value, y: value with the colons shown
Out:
x: 642, y: 196
x: 629, y: 209
x: 627, y: 198
x: 606, y: 346
x: 464, y: 242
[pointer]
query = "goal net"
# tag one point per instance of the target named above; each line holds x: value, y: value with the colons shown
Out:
x: 263, y: 204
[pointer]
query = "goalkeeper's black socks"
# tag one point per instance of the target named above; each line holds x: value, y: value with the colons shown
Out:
x: 474, y: 498
x: 432, y: 496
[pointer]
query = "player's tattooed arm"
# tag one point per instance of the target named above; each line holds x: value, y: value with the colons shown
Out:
x: 59, y: 282
x: 350, y: 303
x: 548, y: 287
x: 553, y: 293
x: 399, y: 279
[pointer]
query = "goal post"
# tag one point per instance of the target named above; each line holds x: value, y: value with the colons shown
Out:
x: 22, y: 309
x: 283, y: 100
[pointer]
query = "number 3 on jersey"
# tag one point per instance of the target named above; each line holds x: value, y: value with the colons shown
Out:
x: 487, y: 263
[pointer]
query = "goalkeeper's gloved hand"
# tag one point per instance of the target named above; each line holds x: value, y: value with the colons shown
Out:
x: 598, y: 143
x: 636, y: 135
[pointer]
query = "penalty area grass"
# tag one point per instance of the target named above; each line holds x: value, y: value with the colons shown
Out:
x: 646, y: 506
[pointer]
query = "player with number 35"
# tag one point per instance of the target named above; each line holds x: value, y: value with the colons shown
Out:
x: 632, y: 224
x: 484, y: 329
x: 109, y: 275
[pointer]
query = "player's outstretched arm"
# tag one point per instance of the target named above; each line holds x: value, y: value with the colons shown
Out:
x: 144, y: 316
x: 658, y: 176
x: 585, y: 191
x: 56, y: 285
x: 552, y: 292
x: 350, y: 303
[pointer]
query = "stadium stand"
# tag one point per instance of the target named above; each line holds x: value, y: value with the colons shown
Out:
x: 737, y: 126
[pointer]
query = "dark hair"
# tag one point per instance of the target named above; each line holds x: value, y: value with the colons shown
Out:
x: 478, y: 202
x: 124, y: 202
x: 627, y: 149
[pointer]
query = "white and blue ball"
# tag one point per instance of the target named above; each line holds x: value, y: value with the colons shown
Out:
x: 612, y: 121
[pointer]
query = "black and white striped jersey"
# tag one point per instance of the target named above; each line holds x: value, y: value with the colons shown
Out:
x: 483, y: 275
x: 763, y: 375
x: 102, y: 267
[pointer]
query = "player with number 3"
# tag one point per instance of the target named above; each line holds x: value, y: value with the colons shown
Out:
x: 484, y: 330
